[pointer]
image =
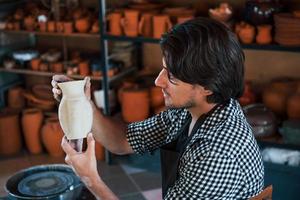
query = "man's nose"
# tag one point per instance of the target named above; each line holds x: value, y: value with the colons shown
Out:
x: 160, y: 80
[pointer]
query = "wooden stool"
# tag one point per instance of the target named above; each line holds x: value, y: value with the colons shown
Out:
x: 266, y: 194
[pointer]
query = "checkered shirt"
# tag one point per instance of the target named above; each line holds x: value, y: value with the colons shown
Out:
x: 221, y: 161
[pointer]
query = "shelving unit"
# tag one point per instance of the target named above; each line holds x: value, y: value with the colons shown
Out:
x: 56, y: 34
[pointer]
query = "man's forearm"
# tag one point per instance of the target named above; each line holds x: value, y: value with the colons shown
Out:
x: 111, y: 133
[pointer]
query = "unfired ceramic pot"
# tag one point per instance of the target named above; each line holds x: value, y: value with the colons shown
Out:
x: 161, y: 24
x: 75, y: 111
x: 130, y: 22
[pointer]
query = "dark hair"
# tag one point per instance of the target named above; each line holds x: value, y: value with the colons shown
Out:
x: 204, y: 51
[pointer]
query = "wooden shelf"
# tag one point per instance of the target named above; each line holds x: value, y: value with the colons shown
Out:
x: 276, y: 142
x: 55, y: 34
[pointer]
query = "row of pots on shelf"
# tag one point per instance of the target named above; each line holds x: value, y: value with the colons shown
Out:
x: 137, y: 102
x: 38, y: 131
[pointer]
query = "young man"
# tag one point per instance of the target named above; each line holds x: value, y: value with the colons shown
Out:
x: 207, y: 148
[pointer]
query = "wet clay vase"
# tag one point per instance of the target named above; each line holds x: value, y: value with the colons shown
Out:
x: 156, y: 97
x: 10, y: 134
x: 51, y: 136
x: 130, y: 23
x: 146, y: 25
x: 82, y: 25
x: 75, y: 112
x: 15, y: 98
x: 114, y: 21
x: 84, y: 68
x: 135, y: 104
x: 31, y: 123
x: 161, y: 24
x: 264, y: 34
x: 293, y: 106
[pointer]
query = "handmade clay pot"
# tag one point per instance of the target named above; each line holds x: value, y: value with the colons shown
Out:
x: 29, y: 23
x: 43, y: 26
x: 275, y: 100
x: 264, y: 34
x: 156, y: 97
x: 161, y: 24
x: 68, y: 27
x: 95, y: 27
x: 146, y: 25
x: 84, y: 68
x: 57, y: 67
x: 114, y: 20
x: 246, y: 33
x: 31, y: 123
x: 10, y: 134
x: 51, y: 26
x: 248, y: 96
x: 82, y: 25
x: 293, y: 106
x: 130, y: 23
x: 35, y: 63
x: 75, y: 112
x: 15, y: 98
x: 51, y: 136
x: 60, y: 27
x: 133, y: 99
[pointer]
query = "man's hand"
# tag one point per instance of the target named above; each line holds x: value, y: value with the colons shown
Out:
x: 62, y: 78
x: 83, y: 164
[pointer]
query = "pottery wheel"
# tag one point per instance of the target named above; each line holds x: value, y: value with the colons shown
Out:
x: 45, y: 183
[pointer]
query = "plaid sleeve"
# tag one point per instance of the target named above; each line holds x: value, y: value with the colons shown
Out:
x: 212, y: 177
x: 148, y: 135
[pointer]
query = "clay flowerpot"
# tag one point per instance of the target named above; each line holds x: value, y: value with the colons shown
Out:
x: 133, y: 99
x: 114, y: 21
x: 264, y: 34
x: 29, y: 23
x: 156, y: 97
x: 248, y: 96
x: 10, y: 134
x: 82, y: 25
x: 75, y: 112
x: 161, y: 24
x: 15, y: 98
x: 57, y: 67
x: 35, y: 63
x: 130, y: 23
x: 43, y: 26
x: 51, y: 136
x: 51, y: 26
x: 146, y: 25
x: 293, y: 106
x: 43, y: 66
x: 68, y: 27
x: 246, y: 33
x: 95, y: 27
x: 31, y: 123
x: 59, y: 27
x: 84, y: 68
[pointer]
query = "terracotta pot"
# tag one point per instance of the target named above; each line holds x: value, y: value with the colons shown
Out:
x: 248, y: 96
x: 43, y: 26
x: 60, y: 27
x: 15, y: 98
x: 51, y: 137
x: 264, y: 34
x: 125, y: 85
x: 29, y: 23
x: 68, y: 27
x: 57, y: 67
x: 146, y: 25
x: 114, y: 21
x: 51, y: 26
x: 31, y: 123
x: 133, y: 99
x: 161, y: 24
x: 35, y: 63
x: 82, y: 25
x: 156, y: 97
x: 95, y: 27
x: 100, y: 151
x: 9, y: 26
x: 10, y: 134
x: 247, y: 34
x: 43, y: 66
x: 293, y: 106
x: 84, y: 68
x: 130, y: 23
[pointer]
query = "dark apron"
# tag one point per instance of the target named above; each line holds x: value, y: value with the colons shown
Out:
x: 170, y: 156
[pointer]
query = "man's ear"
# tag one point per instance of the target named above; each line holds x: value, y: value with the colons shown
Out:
x: 207, y: 92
